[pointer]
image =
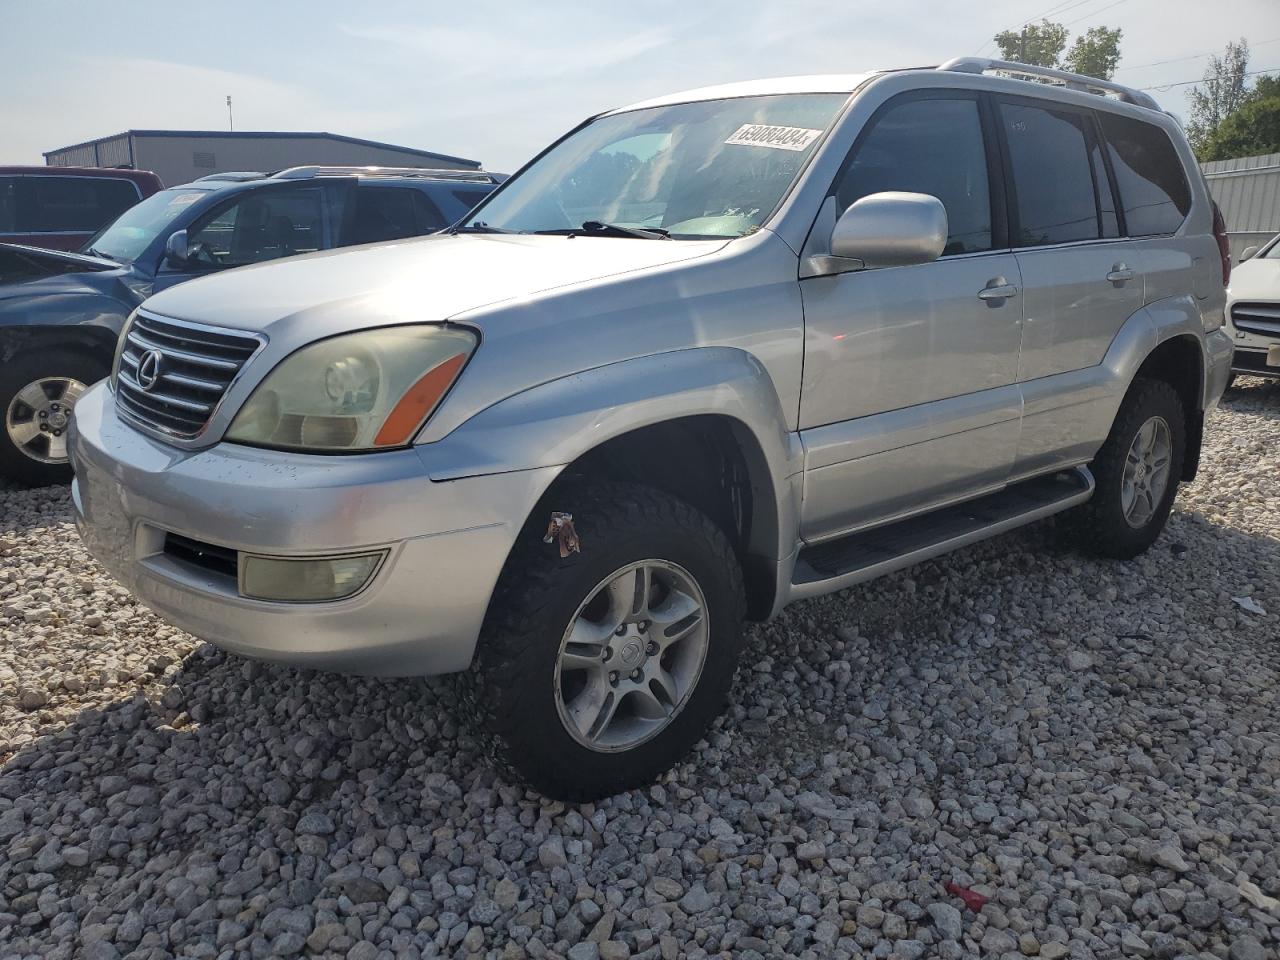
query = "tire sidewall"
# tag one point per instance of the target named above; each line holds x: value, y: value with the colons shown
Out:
x: 542, y: 740
x: 1148, y: 403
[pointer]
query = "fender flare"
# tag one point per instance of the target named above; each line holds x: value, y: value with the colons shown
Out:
x: 555, y: 423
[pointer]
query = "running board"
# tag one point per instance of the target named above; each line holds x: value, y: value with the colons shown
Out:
x: 862, y: 556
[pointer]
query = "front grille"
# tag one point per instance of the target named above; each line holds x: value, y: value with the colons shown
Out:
x: 1263, y: 318
x: 206, y: 556
x: 187, y: 369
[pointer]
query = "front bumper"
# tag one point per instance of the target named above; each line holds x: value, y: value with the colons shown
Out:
x: 421, y: 613
x: 1254, y: 348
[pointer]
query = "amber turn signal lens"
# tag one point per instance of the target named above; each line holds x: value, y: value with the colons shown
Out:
x: 418, y: 402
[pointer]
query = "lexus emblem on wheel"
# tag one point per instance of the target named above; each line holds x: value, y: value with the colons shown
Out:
x: 149, y: 369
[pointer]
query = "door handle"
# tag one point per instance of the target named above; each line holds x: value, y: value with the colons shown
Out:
x: 998, y: 288
x: 1120, y: 273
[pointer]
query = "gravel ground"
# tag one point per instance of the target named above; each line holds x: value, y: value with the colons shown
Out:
x: 1091, y: 746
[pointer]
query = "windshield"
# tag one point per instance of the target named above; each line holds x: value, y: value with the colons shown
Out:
x: 1272, y: 252
x: 125, y: 237
x: 706, y: 170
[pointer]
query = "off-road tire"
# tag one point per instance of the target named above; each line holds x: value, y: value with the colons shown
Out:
x: 1099, y: 526
x: 15, y: 374
x: 510, y: 688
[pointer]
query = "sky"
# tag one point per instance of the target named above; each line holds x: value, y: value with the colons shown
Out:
x: 496, y: 81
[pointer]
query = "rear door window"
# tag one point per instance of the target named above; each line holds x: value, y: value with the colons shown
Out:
x: 932, y: 146
x: 1057, y: 185
x: 71, y: 204
x: 1153, y: 187
x: 393, y: 213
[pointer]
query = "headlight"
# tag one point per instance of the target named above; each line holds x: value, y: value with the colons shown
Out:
x: 358, y: 391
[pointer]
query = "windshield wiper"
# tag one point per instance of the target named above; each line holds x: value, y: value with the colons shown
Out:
x: 594, y: 228
x: 480, y: 228
x: 98, y: 253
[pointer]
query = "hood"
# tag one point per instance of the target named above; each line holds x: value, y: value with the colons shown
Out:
x: 425, y: 279
x: 34, y: 271
x: 1256, y: 279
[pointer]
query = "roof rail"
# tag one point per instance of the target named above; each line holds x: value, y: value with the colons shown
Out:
x: 1073, y: 81
x: 425, y: 173
x: 237, y: 176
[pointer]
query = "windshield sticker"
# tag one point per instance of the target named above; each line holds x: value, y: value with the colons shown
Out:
x: 182, y: 199
x: 776, y: 138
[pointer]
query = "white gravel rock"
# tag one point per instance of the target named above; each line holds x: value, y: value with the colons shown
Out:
x: 1091, y: 746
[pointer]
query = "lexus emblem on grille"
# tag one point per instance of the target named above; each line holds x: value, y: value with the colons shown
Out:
x: 149, y: 369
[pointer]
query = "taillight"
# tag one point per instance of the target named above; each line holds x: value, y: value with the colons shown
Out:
x: 1224, y: 245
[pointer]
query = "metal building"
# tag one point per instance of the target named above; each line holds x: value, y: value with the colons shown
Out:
x: 180, y: 156
x: 1247, y: 190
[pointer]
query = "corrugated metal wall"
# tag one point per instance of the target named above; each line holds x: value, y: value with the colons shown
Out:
x: 1247, y: 190
x: 108, y: 152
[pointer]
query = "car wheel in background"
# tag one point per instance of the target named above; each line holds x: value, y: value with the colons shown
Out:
x: 38, y: 393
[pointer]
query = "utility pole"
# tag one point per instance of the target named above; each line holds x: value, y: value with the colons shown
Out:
x: 1022, y: 52
x: 231, y: 122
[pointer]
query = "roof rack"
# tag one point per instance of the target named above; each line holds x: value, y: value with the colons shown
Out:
x: 1072, y: 81
x: 425, y: 173
x: 236, y: 176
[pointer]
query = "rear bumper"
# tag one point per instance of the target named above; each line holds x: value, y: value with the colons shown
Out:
x: 422, y: 611
x: 1218, y: 352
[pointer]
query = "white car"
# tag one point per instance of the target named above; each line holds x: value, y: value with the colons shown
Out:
x: 1253, y: 312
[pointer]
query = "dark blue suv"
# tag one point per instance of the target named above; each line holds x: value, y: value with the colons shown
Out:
x: 60, y: 313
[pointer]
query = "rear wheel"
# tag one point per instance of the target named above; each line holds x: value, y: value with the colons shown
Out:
x: 38, y: 393
x: 599, y: 671
x: 1137, y: 472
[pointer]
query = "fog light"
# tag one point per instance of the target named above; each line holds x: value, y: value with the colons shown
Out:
x: 306, y: 580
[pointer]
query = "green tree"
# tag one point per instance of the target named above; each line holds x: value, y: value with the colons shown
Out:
x: 1250, y: 130
x: 1221, y: 94
x: 1039, y: 44
x: 1265, y: 87
x: 1095, y: 54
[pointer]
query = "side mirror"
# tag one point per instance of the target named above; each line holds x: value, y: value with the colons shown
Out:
x: 1248, y: 253
x: 891, y: 229
x: 175, y: 249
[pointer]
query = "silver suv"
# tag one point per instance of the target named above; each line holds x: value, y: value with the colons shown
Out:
x: 703, y: 356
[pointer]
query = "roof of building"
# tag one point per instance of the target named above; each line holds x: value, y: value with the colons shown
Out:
x: 264, y: 134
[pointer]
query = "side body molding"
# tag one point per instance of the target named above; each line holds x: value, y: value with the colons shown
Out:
x: 554, y: 423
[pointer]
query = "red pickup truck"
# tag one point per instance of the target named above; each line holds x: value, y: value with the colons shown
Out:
x: 62, y: 207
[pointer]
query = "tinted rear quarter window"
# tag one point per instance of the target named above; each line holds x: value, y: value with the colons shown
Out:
x: 470, y: 198
x: 933, y: 147
x: 72, y: 204
x: 1053, y: 176
x: 1153, y: 187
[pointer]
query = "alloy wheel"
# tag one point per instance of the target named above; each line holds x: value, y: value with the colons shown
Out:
x: 1146, y: 472
x: 37, y: 418
x: 631, y: 656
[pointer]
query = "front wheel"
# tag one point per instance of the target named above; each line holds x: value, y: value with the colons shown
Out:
x: 599, y: 671
x: 1137, y: 472
x: 38, y: 393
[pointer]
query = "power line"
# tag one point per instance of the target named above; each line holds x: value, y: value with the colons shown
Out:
x: 1194, y: 56
x: 1183, y: 83
x: 1088, y: 16
x: 1058, y: 8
